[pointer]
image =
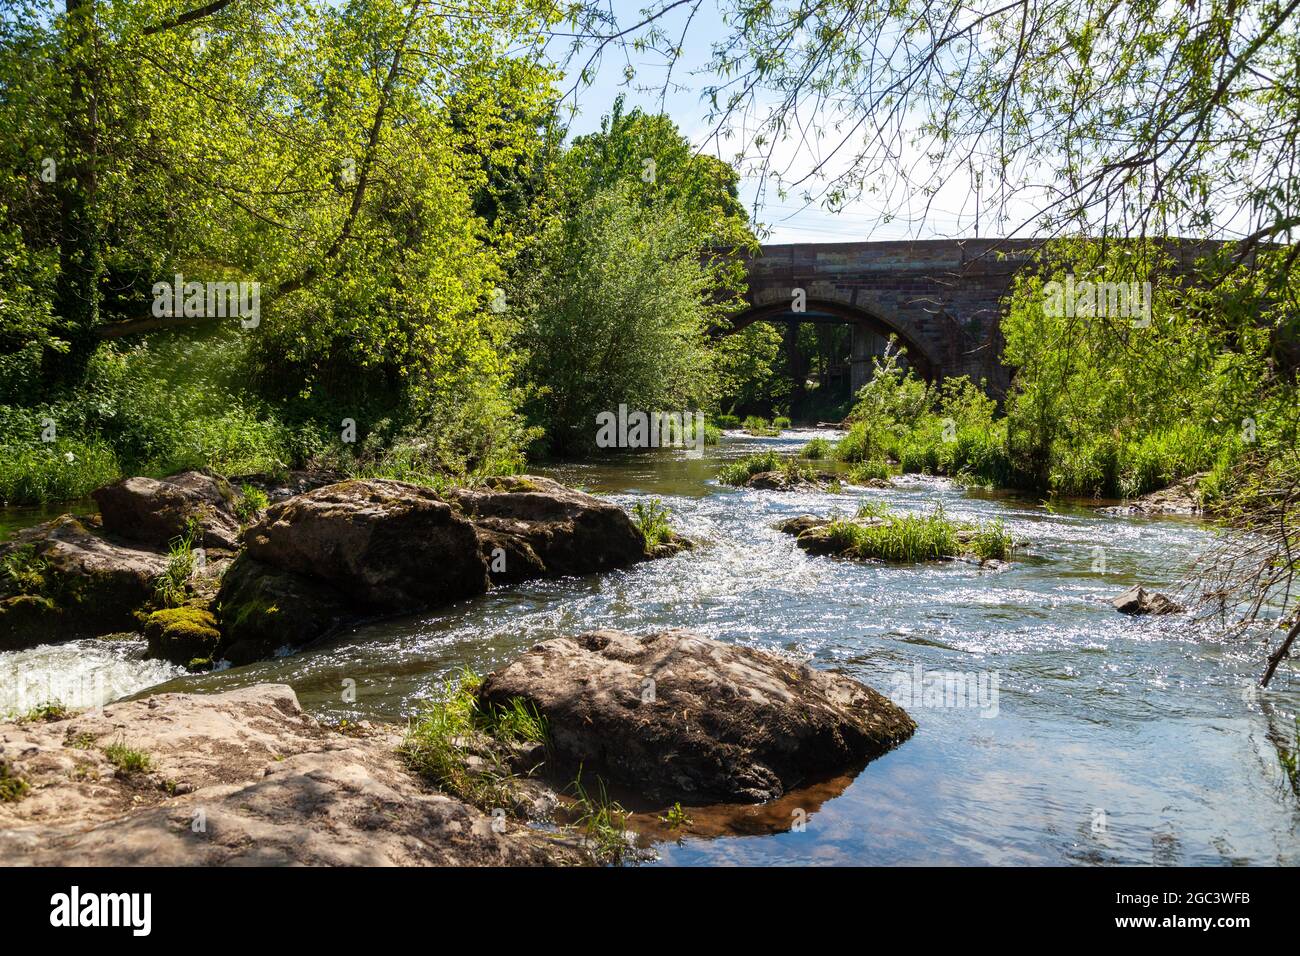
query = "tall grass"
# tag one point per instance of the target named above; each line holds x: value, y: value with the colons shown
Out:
x: 903, y: 539
x: 173, y: 585
x: 865, y: 471
x: 816, y: 450
x: 602, y: 820
x: 992, y: 542
x: 65, y: 470
x: 438, y: 741
x: 738, y: 472
x: 1110, y: 467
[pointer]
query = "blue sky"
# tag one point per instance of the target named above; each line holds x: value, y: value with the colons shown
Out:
x: 951, y: 213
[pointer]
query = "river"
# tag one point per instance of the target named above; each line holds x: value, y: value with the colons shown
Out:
x: 1098, y: 738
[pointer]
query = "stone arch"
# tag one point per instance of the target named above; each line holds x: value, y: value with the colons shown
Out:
x: 835, y: 310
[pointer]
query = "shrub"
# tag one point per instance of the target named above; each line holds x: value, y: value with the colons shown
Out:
x: 614, y: 311
x: 738, y: 472
x: 817, y: 449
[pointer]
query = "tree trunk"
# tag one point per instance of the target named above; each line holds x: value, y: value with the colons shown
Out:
x: 76, y: 300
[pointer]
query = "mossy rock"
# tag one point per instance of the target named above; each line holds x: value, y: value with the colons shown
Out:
x: 71, y: 582
x: 181, y: 634
x: 27, y: 619
x: 263, y: 609
x: 12, y: 787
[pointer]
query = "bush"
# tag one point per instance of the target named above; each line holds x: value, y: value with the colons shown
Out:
x: 738, y: 472
x: 614, y: 312
x: 817, y: 449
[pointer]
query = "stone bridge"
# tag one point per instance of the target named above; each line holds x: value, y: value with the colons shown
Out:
x: 940, y: 297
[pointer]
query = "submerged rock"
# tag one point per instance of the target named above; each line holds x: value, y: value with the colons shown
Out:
x: 66, y: 581
x: 1137, y: 600
x: 789, y: 481
x: 243, y: 777
x: 798, y: 525
x: 156, y: 510
x: 677, y: 715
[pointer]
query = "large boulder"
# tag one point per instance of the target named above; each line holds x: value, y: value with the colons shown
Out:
x: 262, y: 609
x: 680, y: 716
x: 239, y: 778
x: 1138, y: 600
x: 383, y: 545
x: 533, y: 527
x: 156, y: 510
x: 66, y: 581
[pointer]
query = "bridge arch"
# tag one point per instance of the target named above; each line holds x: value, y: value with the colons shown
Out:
x: 870, y: 333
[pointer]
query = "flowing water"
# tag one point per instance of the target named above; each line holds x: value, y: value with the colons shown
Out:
x: 1088, y: 737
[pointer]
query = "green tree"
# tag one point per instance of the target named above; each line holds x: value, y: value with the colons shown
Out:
x: 614, y: 312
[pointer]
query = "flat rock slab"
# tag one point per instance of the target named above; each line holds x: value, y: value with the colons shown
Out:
x: 679, y: 716
x: 1180, y: 498
x: 239, y: 778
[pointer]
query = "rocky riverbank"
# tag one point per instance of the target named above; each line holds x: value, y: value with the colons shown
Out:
x: 243, y: 777
x: 208, y: 576
x: 246, y: 777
